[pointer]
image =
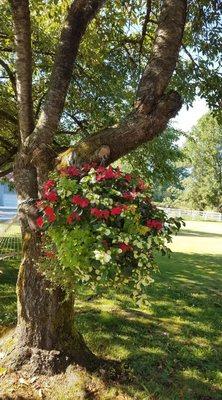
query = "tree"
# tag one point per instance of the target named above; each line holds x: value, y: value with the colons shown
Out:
x: 40, y: 95
x: 156, y: 160
x: 203, y: 187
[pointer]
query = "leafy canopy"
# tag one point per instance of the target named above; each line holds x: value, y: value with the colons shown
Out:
x: 111, y: 58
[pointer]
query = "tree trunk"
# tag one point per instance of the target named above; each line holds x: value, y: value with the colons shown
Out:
x: 46, y: 336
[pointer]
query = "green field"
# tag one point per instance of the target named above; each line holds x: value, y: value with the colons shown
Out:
x: 172, y: 349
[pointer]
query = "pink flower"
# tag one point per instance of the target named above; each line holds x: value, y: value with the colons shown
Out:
x: 80, y: 201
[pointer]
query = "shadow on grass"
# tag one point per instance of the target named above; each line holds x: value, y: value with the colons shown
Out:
x: 173, y: 348
x: 170, y: 350
x: 185, y: 232
x: 8, y: 277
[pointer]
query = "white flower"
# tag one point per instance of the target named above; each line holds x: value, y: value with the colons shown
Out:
x: 93, y: 179
x: 107, y: 258
x: 102, y: 256
x: 97, y: 254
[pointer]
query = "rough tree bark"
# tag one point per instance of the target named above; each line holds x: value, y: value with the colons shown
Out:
x: 45, y: 319
x: 46, y: 336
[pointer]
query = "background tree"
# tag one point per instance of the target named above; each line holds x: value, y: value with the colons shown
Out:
x: 48, y: 94
x: 158, y: 162
x: 203, y: 149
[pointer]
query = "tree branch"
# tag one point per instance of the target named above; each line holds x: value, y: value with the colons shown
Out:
x: 39, y: 105
x: 80, y: 14
x: 81, y: 124
x: 190, y: 56
x: 5, y: 115
x: 6, y: 172
x: 136, y: 130
x: 7, y: 158
x: 22, y: 28
x: 11, y: 75
x: 164, y: 56
x: 7, y: 144
x: 153, y: 108
x: 146, y: 20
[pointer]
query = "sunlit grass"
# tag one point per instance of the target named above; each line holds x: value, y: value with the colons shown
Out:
x: 171, y: 349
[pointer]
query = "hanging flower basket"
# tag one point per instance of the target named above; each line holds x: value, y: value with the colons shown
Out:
x: 99, y: 229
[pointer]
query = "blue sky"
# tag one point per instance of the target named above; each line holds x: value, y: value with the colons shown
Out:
x: 186, y: 119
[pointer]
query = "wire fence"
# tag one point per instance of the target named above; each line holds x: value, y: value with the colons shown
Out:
x: 10, y: 237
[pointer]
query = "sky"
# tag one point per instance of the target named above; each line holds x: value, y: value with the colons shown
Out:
x: 186, y: 119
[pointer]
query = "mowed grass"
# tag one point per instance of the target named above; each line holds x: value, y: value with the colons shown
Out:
x: 172, y: 349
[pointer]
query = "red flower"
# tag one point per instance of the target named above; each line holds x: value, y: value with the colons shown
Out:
x: 73, y: 217
x: 73, y: 171
x: 141, y: 185
x: 154, y: 224
x: 39, y: 203
x: 128, y: 177
x: 51, y: 196
x: 40, y: 222
x: 129, y: 195
x: 107, y: 173
x: 112, y: 173
x: 117, y: 210
x: 70, y: 171
x: 125, y: 247
x: 80, y: 201
x: 48, y: 185
x: 103, y: 214
x: 50, y: 214
x: 87, y: 167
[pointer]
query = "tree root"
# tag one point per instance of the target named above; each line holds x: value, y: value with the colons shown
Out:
x: 48, y: 362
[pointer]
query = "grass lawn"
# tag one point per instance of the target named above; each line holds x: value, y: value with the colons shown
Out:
x: 172, y: 349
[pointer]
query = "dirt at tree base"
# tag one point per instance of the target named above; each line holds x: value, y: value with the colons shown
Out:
x: 76, y: 383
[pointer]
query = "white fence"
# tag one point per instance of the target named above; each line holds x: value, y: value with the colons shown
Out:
x: 194, y: 214
x: 7, y: 213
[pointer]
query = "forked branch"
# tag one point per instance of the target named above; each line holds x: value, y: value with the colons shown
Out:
x: 22, y: 30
